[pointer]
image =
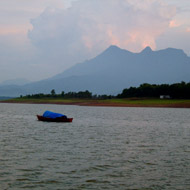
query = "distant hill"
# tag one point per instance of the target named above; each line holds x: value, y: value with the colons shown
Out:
x: 112, y: 71
x: 18, y: 81
x: 5, y: 98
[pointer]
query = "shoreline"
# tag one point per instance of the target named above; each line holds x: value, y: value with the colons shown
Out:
x: 104, y: 104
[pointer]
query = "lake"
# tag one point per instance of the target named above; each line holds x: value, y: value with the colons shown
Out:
x: 103, y: 148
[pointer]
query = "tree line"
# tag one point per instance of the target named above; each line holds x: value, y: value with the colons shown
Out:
x: 81, y: 94
x: 175, y: 91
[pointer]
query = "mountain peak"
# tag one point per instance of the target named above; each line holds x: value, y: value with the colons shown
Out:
x: 112, y: 71
x: 113, y: 48
x: 147, y: 50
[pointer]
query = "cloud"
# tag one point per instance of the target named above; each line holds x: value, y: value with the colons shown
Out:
x: 173, y: 24
x: 87, y: 27
x: 15, y: 55
x: 177, y: 37
x: 188, y: 29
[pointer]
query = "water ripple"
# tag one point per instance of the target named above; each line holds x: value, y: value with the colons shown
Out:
x: 104, y: 148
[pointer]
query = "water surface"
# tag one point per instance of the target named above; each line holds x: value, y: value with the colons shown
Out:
x: 104, y: 148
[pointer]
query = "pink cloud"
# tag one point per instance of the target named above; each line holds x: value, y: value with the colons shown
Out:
x: 89, y: 26
x: 188, y: 29
x: 173, y: 24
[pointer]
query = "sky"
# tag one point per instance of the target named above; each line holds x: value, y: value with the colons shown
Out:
x: 41, y: 38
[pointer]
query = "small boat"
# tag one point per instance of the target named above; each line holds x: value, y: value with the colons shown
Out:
x: 54, y: 117
x: 58, y: 119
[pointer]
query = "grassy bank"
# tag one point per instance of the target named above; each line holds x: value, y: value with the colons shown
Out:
x: 129, y: 102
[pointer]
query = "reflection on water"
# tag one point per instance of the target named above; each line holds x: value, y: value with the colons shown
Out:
x: 104, y: 148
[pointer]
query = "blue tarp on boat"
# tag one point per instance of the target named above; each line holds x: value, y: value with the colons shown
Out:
x: 52, y: 115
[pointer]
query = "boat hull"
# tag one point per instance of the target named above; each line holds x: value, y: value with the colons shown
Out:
x: 58, y: 119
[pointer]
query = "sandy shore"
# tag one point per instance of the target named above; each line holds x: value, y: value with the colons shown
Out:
x: 103, y: 104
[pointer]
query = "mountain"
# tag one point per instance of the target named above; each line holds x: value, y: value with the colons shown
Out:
x: 131, y: 69
x: 112, y: 71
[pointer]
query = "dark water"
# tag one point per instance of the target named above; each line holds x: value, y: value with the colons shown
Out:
x: 104, y: 148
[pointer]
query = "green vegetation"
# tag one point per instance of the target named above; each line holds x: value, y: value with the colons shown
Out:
x: 175, y: 91
x: 147, y: 101
x: 140, y: 102
x: 70, y: 95
x: 47, y: 100
x: 145, y: 95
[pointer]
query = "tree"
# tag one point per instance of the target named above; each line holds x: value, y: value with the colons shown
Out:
x: 62, y: 94
x: 53, y: 92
